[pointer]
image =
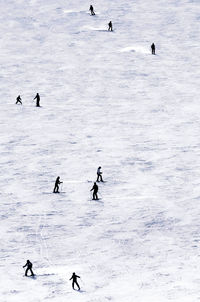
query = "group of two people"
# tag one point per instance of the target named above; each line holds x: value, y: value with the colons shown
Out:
x: 29, y: 266
x: 37, y: 98
x: 95, y: 188
x: 110, y: 26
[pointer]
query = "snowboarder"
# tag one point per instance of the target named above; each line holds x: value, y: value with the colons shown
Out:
x: 153, y: 49
x: 57, y: 183
x: 110, y: 27
x: 99, y: 174
x: 92, y: 10
x: 95, y: 190
x: 74, y: 280
x: 29, y: 267
x: 37, y: 98
x: 19, y: 100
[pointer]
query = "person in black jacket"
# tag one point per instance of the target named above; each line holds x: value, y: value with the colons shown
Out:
x: 18, y: 100
x: 153, y: 49
x: 95, y: 190
x: 92, y: 10
x: 74, y: 280
x: 29, y: 268
x: 99, y: 175
x: 37, y: 98
x: 57, y: 183
x: 110, y: 26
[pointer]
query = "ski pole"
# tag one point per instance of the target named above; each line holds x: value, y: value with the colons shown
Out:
x: 91, y: 194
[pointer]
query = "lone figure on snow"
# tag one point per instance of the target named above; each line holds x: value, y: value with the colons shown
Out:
x: 57, y: 183
x: 99, y: 174
x: 29, y: 267
x: 153, y: 49
x: 95, y: 190
x: 110, y: 27
x: 92, y: 10
x: 74, y: 280
x: 18, y: 100
x: 37, y: 98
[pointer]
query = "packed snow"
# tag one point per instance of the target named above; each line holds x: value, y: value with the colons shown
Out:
x: 105, y: 101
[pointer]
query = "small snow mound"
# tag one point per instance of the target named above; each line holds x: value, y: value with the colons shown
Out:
x: 94, y: 28
x: 69, y: 11
x: 134, y: 49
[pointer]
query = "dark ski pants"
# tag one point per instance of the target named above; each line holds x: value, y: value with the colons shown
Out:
x: 18, y: 102
x: 29, y: 269
x: 95, y: 197
x: 75, y: 282
x: 99, y: 176
x: 153, y: 51
x: 110, y: 29
x: 55, y: 190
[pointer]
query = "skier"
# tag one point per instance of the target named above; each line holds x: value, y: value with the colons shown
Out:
x: 19, y: 100
x: 74, y: 280
x: 29, y: 267
x: 110, y: 27
x: 37, y: 98
x: 95, y: 190
x: 92, y: 10
x: 99, y: 174
x: 57, y: 183
x: 153, y: 48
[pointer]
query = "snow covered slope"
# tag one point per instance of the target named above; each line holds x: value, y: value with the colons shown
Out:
x: 105, y: 101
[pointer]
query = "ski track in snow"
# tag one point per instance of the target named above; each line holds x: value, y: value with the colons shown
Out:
x: 105, y: 101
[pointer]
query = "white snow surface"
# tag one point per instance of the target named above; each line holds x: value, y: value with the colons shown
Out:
x: 106, y: 101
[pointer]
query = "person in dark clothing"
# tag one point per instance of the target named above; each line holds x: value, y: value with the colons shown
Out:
x: 99, y: 175
x: 18, y: 100
x: 153, y: 49
x: 37, y: 98
x: 92, y: 10
x: 95, y: 190
x: 57, y: 183
x: 74, y: 280
x: 110, y: 27
x: 29, y: 268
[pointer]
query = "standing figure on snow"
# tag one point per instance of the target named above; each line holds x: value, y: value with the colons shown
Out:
x: 29, y: 267
x: 37, y: 98
x: 92, y: 10
x: 57, y: 183
x: 95, y: 190
x: 153, y: 49
x: 110, y: 27
x: 99, y: 174
x: 18, y: 100
x: 74, y: 280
